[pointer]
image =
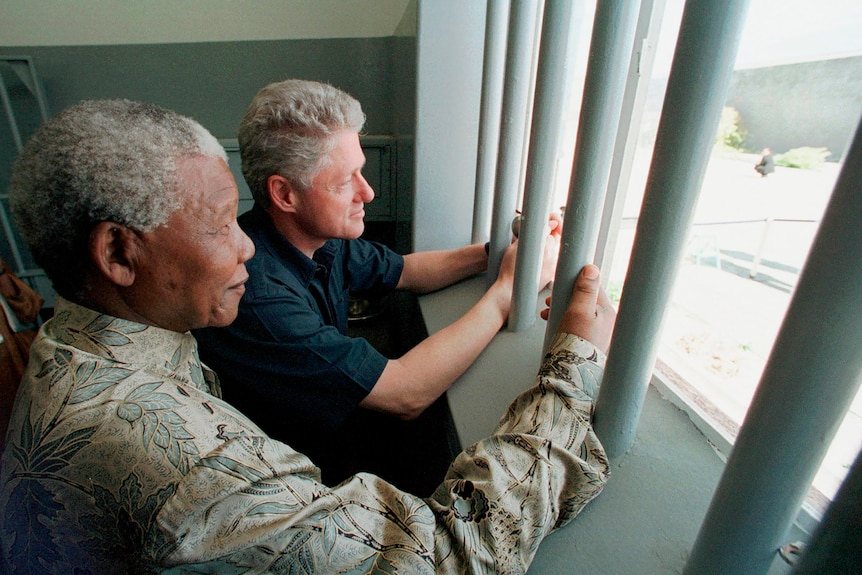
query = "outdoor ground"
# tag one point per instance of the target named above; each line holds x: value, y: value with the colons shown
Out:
x: 721, y: 322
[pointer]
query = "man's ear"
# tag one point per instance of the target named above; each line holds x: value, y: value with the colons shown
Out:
x: 112, y: 248
x: 282, y: 196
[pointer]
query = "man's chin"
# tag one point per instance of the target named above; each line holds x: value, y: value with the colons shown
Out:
x: 224, y: 317
x: 355, y: 231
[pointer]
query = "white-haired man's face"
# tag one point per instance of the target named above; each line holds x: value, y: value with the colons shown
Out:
x: 334, y: 207
x: 193, y: 268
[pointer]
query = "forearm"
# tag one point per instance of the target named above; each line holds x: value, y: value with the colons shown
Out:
x: 498, y: 501
x: 539, y: 469
x: 412, y: 382
x: 425, y: 272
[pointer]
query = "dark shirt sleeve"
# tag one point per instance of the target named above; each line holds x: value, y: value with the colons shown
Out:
x: 372, y: 267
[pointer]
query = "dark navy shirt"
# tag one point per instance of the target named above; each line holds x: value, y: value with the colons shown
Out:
x: 287, y: 361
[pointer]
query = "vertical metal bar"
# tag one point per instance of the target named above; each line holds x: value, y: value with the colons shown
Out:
x: 556, y: 69
x: 532, y: 93
x: 836, y: 546
x: 610, y: 48
x: 496, y: 24
x: 4, y: 219
x: 809, y: 381
x: 634, y: 99
x: 10, y: 236
x: 697, y: 87
x: 758, y: 255
x: 26, y: 70
x: 513, y: 120
x: 10, y: 114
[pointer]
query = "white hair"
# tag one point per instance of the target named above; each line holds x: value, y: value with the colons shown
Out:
x: 100, y: 160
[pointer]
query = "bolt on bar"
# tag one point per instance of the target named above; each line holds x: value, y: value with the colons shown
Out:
x: 514, y: 117
x: 610, y: 48
x: 494, y: 64
x: 708, y: 40
x: 559, y: 41
x: 811, y: 377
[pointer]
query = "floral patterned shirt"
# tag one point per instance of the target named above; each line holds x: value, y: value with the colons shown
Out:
x: 121, y: 458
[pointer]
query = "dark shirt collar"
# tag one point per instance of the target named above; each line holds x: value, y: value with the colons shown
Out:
x: 257, y: 223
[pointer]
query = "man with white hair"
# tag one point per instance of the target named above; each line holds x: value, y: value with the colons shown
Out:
x: 122, y: 458
x: 288, y: 360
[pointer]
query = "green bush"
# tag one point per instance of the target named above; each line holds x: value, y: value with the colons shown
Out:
x: 731, y: 134
x: 615, y: 291
x: 805, y: 157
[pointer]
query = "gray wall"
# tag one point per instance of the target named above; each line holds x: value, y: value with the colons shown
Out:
x: 449, y: 84
x: 214, y: 82
x: 814, y: 104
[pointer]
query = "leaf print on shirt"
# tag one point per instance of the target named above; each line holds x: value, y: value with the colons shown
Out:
x: 35, y: 453
x: 161, y: 426
x: 374, y: 565
x: 127, y: 516
x: 103, y: 332
x: 57, y: 367
x: 106, y: 332
x: 185, y: 366
x: 91, y: 380
x: 32, y: 544
x: 40, y: 457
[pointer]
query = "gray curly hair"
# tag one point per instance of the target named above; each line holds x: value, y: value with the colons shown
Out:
x: 100, y: 160
x: 288, y: 130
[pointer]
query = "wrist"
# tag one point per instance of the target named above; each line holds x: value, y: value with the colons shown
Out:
x: 501, y: 292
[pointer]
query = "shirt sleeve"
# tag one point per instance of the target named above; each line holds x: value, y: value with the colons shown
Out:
x: 251, y: 503
x: 372, y: 267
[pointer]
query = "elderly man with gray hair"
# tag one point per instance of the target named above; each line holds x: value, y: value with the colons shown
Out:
x: 289, y: 360
x: 122, y: 458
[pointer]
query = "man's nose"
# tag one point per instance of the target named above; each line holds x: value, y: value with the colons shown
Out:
x: 366, y: 192
x: 246, y: 250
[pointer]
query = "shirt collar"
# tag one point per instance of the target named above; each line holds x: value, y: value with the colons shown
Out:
x: 170, y: 353
x: 258, y: 222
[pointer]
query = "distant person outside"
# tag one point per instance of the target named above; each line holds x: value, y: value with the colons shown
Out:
x: 766, y: 165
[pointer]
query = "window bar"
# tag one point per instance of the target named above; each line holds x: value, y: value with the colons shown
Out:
x: 837, y: 541
x: 496, y: 25
x: 559, y: 41
x: 513, y: 123
x: 810, y: 379
x: 610, y: 48
x: 708, y: 40
x: 634, y: 100
x: 10, y: 114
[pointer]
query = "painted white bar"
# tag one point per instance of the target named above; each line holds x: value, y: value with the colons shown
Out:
x: 561, y: 26
x: 517, y: 95
x: 493, y: 73
x: 610, y: 48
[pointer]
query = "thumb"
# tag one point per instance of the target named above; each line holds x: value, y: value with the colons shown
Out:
x: 586, y: 292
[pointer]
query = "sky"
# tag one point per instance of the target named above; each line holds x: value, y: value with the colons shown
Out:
x: 782, y: 31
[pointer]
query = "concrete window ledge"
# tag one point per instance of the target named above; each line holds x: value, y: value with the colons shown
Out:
x: 648, y: 516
